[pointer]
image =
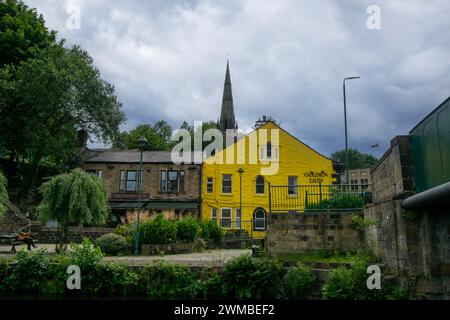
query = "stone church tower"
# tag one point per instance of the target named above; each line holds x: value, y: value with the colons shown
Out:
x: 227, y: 119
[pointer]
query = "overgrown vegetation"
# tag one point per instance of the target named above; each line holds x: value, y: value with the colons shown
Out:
x: 298, y: 282
x: 188, y: 229
x: 73, y: 198
x: 38, y: 274
x: 112, y: 244
x: 162, y: 231
x: 3, y: 193
x: 250, y: 278
x: 351, y: 284
x: 339, y: 201
x: 158, y: 231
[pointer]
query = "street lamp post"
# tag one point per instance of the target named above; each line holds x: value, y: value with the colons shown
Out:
x: 141, y: 142
x: 240, y: 171
x: 346, y: 137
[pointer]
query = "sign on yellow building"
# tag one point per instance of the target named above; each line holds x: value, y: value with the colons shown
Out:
x: 267, y: 155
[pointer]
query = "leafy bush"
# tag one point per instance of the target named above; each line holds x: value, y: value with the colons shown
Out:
x: 187, y: 229
x: 361, y: 223
x: 128, y: 231
x: 85, y: 255
x: 112, y: 244
x: 339, y: 201
x: 297, y: 282
x: 158, y: 231
x: 97, y: 278
x: 35, y: 274
x: 211, y: 231
x: 351, y: 284
x: 249, y: 278
x: 168, y: 281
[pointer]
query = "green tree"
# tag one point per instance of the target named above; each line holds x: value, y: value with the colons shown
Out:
x: 49, y: 98
x: 356, y: 159
x: 199, y: 134
x: 74, y: 198
x: 22, y: 33
x: 157, y: 135
x: 3, y: 193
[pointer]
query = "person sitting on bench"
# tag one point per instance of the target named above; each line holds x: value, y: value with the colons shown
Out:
x: 25, y: 235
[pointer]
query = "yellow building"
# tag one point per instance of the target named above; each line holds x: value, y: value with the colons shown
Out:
x: 267, y: 155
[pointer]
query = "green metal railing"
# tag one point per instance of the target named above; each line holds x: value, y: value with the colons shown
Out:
x: 303, y: 198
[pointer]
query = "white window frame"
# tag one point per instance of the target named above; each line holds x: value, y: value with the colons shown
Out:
x: 263, y: 185
x: 230, y: 218
x: 216, y: 217
x: 209, y: 183
x: 231, y: 183
x: 259, y: 219
x: 293, y: 185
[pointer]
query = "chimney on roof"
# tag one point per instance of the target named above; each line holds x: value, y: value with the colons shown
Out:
x: 260, y: 122
x: 82, y: 137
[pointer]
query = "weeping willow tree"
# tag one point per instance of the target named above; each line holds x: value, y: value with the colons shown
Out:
x: 3, y: 193
x: 74, y: 198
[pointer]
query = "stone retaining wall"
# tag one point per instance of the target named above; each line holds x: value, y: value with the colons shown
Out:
x: 306, y: 232
x: 76, y: 234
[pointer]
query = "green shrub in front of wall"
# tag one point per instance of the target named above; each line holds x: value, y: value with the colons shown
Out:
x: 158, y: 231
x: 128, y: 231
x: 188, y: 229
x: 168, y: 281
x: 251, y: 278
x: 351, y: 283
x: 211, y: 231
x: 112, y: 244
x: 297, y: 282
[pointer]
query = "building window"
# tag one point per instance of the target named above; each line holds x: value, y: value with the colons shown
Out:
x: 226, y: 183
x: 172, y: 181
x: 238, y: 219
x: 163, y: 187
x: 226, y: 218
x: 259, y: 219
x: 354, y: 185
x: 364, y: 184
x: 209, y: 185
x: 95, y: 172
x: 214, y: 216
x: 122, y: 180
x: 260, y: 186
x: 269, y: 150
x: 292, y: 185
x: 131, y: 179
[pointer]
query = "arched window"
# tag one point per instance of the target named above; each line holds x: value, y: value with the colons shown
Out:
x: 260, y: 186
x: 259, y: 219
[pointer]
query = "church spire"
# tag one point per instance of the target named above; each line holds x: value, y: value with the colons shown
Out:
x: 227, y: 119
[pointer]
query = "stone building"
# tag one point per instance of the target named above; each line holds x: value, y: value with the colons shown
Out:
x: 411, y: 192
x: 360, y: 179
x: 167, y: 188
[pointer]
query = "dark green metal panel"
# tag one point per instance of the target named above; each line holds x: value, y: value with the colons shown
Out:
x: 430, y: 146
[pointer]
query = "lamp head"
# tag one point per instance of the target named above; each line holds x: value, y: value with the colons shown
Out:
x: 352, y: 78
x: 142, y: 142
x: 241, y: 171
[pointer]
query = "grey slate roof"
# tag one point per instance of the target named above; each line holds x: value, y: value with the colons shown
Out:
x: 126, y: 156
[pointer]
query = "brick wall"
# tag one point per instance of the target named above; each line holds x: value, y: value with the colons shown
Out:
x: 304, y: 232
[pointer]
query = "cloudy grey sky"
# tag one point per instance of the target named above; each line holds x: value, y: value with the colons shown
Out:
x: 288, y: 58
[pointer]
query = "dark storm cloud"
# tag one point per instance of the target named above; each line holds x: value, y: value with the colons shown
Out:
x: 288, y: 59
